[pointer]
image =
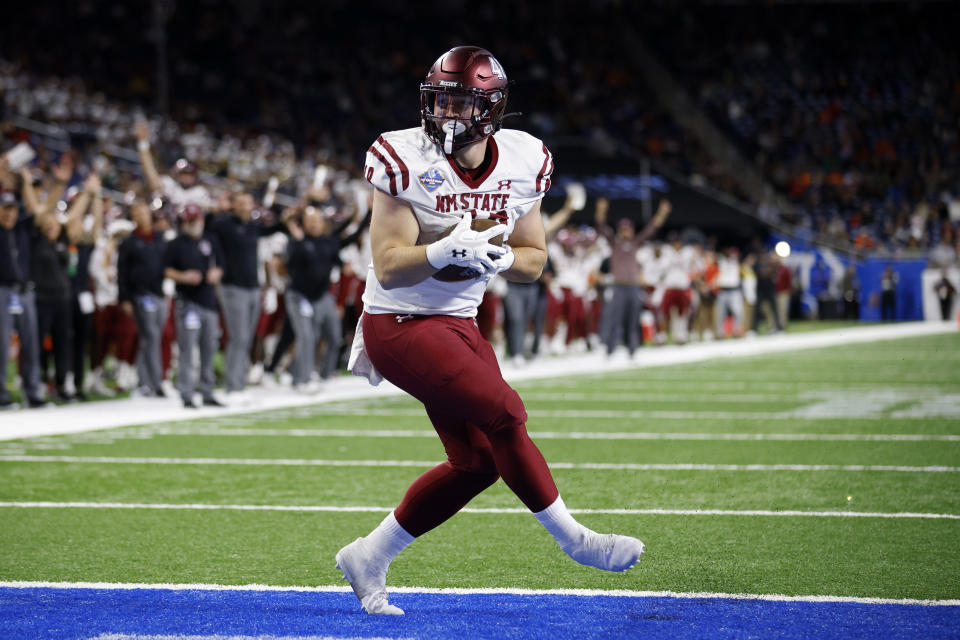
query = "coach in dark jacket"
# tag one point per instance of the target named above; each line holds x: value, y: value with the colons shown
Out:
x: 49, y: 258
x: 313, y: 252
x: 194, y: 261
x: 18, y: 310
x: 239, y: 235
x: 140, y: 283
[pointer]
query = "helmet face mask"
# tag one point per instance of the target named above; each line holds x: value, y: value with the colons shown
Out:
x: 463, y: 98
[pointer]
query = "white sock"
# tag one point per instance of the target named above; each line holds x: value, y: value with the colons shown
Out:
x: 561, y: 525
x: 389, y: 538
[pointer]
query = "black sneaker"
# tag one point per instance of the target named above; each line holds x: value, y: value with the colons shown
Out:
x: 9, y: 405
x: 212, y: 402
x: 159, y: 392
x: 189, y: 404
x: 37, y: 403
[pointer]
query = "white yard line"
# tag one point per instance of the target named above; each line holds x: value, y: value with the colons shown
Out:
x: 786, y: 513
x: 137, y: 636
x: 653, y: 385
x: 693, y: 397
x: 771, y: 597
x: 103, y: 415
x: 540, y: 435
x: 633, y: 414
x: 594, y: 466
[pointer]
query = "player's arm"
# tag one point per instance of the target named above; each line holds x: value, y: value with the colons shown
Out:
x: 559, y: 219
x: 397, y: 259
x: 529, y: 244
x: 146, y: 158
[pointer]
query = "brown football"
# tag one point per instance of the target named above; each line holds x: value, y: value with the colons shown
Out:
x: 454, y: 273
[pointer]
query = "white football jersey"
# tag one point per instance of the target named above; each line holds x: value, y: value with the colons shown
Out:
x: 677, y: 266
x: 409, y: 166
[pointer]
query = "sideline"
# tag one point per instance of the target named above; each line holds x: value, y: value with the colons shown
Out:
x: 787, y: 513
x: 93, y: 416
x: 427, y: 464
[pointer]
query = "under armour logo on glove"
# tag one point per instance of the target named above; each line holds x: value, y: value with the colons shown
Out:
x: 465, y: 247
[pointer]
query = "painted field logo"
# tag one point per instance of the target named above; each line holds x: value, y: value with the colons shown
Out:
x: 894, y: 403
x: 431, y: 179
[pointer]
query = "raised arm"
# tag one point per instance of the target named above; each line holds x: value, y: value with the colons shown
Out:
x: 146, y: 158
x: 61, y: 173
x: 96, y: 208
x: 600, y: 218
x: 557, y: 220
x: 28, y: 193
x: 663, y: 210
x: 74, y: 224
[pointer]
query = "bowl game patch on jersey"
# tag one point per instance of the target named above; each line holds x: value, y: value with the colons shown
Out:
x: 431, y: 179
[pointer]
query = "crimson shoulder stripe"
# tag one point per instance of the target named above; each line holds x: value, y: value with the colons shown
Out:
x: 545, y: 170
x: 404, y: 173
x: 389, y: 169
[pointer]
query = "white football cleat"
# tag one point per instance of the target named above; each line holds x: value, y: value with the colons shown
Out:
x: 376, y: 603
x: 366, y: 572
x: 607, y: 551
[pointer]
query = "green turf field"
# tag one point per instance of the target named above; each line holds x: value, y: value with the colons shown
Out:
x: 869, y: 428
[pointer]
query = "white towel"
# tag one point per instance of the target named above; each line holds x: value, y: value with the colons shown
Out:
x: 359, y: 363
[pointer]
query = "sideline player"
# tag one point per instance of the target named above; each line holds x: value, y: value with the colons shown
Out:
x: 418, y: 331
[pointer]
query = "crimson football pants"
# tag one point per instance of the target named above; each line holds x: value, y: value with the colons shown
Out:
x: 445, y: 363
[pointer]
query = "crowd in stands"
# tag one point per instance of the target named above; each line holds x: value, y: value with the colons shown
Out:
x: 851, y: 111
x: 135, y: 247
x: 131, y: 293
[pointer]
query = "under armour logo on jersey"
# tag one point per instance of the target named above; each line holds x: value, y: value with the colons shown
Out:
x: 504, y: 184
x: 459, y: 253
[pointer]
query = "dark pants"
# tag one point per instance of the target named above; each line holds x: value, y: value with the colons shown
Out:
x: 766, y: 298
x: 540, y: 317
x: 55, y: 318
x: 198, y: 329
x: 622, y: 317
x: 286, y: 339
x: 150, y: 314
x: 241, y: 311
x: 520, y: 308
x: 21, y: 318
x: 888, y: 306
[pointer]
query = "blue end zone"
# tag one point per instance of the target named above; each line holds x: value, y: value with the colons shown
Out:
x: 86, y: 613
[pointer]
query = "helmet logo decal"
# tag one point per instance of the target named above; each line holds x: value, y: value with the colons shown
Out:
x: 496, y: 68
x: 431, y: 179
x: 448, y: 83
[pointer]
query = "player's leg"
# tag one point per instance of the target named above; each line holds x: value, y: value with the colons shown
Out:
x: 434, y: 497
x: 441, y: 492
x: 524, y: 470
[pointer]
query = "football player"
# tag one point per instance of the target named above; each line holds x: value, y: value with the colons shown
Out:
x: 431, y: 263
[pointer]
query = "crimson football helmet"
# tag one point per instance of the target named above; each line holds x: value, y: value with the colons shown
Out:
x: 463, y: 98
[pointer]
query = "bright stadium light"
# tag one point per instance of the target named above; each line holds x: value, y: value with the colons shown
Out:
x: 782, y: 249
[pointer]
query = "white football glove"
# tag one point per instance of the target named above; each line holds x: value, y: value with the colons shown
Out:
x: 504, y: 262
x: 465, y: 247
